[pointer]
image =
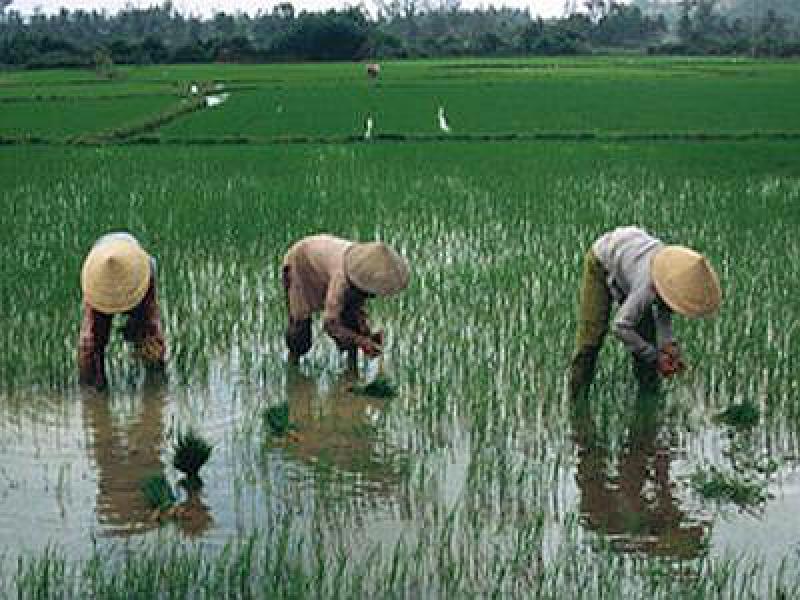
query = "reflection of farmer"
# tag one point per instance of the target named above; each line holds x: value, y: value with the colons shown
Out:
x: 336, y: 276
x: 337, y: 428
x: 632, y: 502
x: 118, y: 276
x: 125, y: 451
x: 649, y: 280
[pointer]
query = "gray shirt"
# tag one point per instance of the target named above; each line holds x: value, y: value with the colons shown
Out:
x: 626, y: 253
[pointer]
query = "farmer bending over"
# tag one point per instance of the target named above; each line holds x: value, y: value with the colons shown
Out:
x: 336, y: 276
x: 118, y: 276
x: 649, y: 281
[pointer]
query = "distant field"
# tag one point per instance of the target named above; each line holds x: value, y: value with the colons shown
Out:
x: 61, y: 118
x: 602, y: 96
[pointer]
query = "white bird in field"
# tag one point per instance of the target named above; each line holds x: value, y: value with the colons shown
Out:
x: 443, y: 124
x: 216, y: 100
x: 368, y: 125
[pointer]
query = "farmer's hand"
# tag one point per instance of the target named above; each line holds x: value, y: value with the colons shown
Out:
x: 669, y: 360
x: 151, y: 350
x: 370, y: 347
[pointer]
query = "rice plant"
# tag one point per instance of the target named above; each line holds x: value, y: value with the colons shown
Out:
x: 190, y: 452
x: 158, y: 492
x: 380, y: 387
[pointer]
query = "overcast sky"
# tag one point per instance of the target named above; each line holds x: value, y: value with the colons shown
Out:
x: 545, y: 8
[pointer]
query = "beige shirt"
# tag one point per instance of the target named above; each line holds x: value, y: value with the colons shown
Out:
x: 318, y: 281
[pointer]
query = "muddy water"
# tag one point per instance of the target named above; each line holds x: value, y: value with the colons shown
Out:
x: 72, y: 466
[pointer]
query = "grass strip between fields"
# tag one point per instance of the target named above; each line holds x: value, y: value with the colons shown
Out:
x: 121, y: 134
x: 117, y: 96
x: 141, y: 134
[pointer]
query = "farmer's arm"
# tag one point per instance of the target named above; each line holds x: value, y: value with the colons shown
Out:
x: 144, y: 326
x: 663, y: 319
x: 627, y: 319
x: 669, y: 359
x: 92, y: 341
x: 344, y: 322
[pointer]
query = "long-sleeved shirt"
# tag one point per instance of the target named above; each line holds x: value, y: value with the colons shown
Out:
x: 144, y: 321
x: 317, y: 282
x: 626, y: 254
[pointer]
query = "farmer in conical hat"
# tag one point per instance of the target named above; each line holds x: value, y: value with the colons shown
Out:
x: 337, y: 276
x: 118, y: 277
x: 649, y: 281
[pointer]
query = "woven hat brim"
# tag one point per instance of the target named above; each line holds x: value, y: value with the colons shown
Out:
x: 686, y: 281
x: 115, y: 276
x: 375, y: 268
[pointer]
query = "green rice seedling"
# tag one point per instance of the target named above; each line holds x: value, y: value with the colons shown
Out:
x: 190, y: 453
x: 380, y: 387
x: 724, y: 487
x: 158, y: 492
x: 276, y: 420
x: 741, y: 416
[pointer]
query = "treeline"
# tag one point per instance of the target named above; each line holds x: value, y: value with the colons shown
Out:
x: 399, y: 29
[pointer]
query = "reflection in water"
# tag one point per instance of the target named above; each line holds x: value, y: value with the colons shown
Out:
x: 339, y: 429
x: 126, y: 450
x: 193, y: 514
x: 632, y: 502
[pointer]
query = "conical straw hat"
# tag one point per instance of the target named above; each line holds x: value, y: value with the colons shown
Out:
x: 686, y: 281
x: 375, y: 268
x: 115, y: 276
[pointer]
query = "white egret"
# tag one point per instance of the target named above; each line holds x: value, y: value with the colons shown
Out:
x: 368, y: 124
x: 216, y: 100
x: 443, y: 124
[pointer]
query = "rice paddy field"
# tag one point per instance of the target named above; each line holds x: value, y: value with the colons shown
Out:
x: 479, y: 478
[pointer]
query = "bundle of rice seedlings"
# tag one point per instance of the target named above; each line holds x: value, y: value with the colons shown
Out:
x: 740, y: 416
x: 276, y: 419
x: 158, y: 492
x: 191, y: 452
x: 380, y: 387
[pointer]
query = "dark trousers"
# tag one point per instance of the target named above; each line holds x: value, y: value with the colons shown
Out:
x: 298, y: 331
x: 594, y: 314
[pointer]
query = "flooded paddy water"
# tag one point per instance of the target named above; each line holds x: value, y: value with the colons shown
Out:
x: 479, y: 476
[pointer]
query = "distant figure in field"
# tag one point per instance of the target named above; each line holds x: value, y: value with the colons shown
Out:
x: 118, y: 277
x: 649, y: 281
x: 373, y: 70
x: 337, y: 276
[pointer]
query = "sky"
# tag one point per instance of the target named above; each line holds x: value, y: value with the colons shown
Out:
x: 544, y: 8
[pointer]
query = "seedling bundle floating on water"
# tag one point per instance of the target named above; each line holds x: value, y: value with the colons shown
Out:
x: 158, y: 492
x: 740, y: 416
x: 380, y: 387
x: 276, y: 420
x: 191, y: 452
